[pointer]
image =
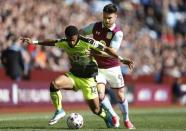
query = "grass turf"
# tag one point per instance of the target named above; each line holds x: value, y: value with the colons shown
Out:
x: 158, y: 119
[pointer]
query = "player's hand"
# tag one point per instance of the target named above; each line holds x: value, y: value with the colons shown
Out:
x: 128, y: 62
x: 26, y: 40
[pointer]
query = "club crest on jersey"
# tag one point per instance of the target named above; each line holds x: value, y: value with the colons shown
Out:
x: 109, y: 35
x: 97, y: 32
x: 103, y: 42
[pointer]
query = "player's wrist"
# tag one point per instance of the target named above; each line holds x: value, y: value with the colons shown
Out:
x: 120, y: 58
x: 35, y: 42
x: 123, y: 60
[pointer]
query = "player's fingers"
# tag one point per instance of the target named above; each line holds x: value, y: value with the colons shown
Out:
x: 131, y: 62
x: 131, y: 66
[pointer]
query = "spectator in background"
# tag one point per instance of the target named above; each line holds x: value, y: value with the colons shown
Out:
x: 148, y: 25
x: 40, y: 58
x: 178, y: 92
x: 12, y: 61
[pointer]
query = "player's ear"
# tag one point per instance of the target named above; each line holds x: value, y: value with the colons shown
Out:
x: 116, y: 15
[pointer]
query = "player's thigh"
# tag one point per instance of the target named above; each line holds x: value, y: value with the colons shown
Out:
x: 63, y: 82
x: 88, y: 87
x: 101, y: 85
x: 100, y: 78
x: 114, y: 76
x: 101, y: 90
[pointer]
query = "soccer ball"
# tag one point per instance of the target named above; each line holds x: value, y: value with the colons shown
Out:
x: 75, y: 121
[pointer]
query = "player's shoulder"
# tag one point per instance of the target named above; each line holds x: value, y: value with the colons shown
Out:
x: 61, y: 42
x: 117, y: 28
x: 98, y: 24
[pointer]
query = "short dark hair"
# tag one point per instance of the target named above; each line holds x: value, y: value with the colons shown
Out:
x: 110, y: 8
x: 71, y: 30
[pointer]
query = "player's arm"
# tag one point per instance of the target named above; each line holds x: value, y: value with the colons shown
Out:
x: 125, y: 61
x: 113, y: 53
x: 110, y: 52
x: 43, y: 43
x: 115, y: 45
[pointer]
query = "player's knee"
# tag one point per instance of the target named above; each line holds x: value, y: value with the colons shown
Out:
x: 120, y: 95
x: 101, y: 91
x: 53, y: 87
x: 120, y: 99
x: 101, y: 96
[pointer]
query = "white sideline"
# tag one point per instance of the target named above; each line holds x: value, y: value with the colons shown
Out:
x: 23, y: 118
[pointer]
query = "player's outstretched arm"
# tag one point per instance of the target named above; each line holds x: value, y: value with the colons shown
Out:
x: 44, y: 43
x: 125, y: 61
x: 98, y: 52
x: 109, y: 52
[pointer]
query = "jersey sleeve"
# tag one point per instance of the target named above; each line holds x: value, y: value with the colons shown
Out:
x: 87, y: 30
x: 96, y: 45
x: 60, y: 42
x: 116, y: 40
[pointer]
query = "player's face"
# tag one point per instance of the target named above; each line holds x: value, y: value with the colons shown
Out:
x: 73, y: 40
x: 109, y: 19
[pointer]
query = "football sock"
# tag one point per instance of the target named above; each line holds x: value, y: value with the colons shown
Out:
x: 107, y: 106
x: 124, y: 109
x: 56, y: 99
x: 102, y: 113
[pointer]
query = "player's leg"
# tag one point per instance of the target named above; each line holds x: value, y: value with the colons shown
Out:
x: 123, y: 104
x: 105, y: 102
x: 61, y: 82
x: 90, y: 93
x: 117, y: 83
x: 101, y: 112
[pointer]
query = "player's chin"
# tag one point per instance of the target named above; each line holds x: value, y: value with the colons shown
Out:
x: 108, y: 25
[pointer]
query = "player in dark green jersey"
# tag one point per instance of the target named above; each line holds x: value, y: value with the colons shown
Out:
x: 82, y: 72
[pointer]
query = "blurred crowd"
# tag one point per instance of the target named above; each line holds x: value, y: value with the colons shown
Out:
x: 154, y: 32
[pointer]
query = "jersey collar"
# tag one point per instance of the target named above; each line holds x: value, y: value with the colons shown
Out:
x: 111, y: 28
x: 72, y: 46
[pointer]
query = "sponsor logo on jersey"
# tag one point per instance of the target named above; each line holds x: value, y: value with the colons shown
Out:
x: 109, y: 35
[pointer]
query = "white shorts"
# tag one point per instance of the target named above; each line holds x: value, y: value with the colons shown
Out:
x: 111, y: 75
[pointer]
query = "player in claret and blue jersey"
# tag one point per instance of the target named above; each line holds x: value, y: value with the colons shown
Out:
x: 110, y: 34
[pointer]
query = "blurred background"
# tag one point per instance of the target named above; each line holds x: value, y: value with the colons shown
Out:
x: 154, y: 37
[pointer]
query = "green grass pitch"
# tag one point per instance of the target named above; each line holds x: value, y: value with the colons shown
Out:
x: 149, y: 119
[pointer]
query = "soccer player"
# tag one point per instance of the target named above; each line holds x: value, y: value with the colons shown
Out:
x: 110, y: 34
x: 82, y: 73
